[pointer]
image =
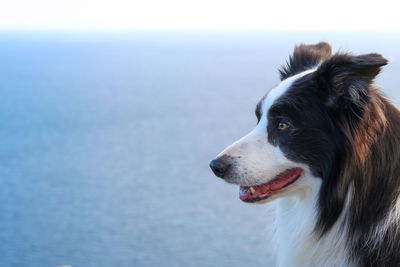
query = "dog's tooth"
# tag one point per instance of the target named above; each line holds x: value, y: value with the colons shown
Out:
x: 252, y: 190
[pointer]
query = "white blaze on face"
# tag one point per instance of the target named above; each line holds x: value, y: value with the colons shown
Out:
x: 278, y: 91
x: 256, y: 161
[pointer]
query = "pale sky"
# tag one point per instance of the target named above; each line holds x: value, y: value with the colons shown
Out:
x: 341, y: 15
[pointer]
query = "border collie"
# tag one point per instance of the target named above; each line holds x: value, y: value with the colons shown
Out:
x: 327, y: 148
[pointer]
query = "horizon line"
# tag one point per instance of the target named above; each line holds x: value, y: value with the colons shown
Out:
x: 194, y: 30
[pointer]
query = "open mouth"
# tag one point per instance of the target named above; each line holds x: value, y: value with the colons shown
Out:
x: 264, y: 191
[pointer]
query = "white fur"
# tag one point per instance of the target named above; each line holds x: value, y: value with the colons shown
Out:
x: 391, y: 219
x: 296, y: 213
x: 257, y: 162
x: 278, y: 91
x: 296, y: 217
x: 252, y: 152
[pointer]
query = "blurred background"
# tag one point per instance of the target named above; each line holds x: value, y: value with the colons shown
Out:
x: 111, y: 111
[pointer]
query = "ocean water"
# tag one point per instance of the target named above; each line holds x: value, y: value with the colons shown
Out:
x: 105, y: 140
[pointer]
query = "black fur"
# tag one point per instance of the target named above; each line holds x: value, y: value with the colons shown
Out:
x: 376, y: 188
x: 349, y: 135
x: 305, y: 57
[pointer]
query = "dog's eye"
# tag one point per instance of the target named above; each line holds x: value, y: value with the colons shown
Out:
x: 282, y: 126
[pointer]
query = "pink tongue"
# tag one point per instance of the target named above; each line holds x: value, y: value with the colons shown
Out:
x: 244, y: 192
x: 260, y: 191
x: 265, y: 190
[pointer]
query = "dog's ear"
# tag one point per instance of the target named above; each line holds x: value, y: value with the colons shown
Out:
x: 346, y: 78
x: 305, y: 57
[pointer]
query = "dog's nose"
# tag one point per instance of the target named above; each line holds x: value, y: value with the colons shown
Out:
x: 219, y: 167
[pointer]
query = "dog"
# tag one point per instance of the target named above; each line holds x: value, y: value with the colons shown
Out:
x: 326, y: 148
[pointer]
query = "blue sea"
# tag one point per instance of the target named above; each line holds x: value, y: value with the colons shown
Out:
x: 106, y: 137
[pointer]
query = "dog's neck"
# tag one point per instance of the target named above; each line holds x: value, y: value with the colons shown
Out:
x: 298, y: 244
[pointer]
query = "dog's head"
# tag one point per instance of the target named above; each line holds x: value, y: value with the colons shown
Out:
x: 305, y: 124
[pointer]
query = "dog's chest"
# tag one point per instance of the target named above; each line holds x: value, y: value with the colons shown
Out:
x: 297, y: 246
